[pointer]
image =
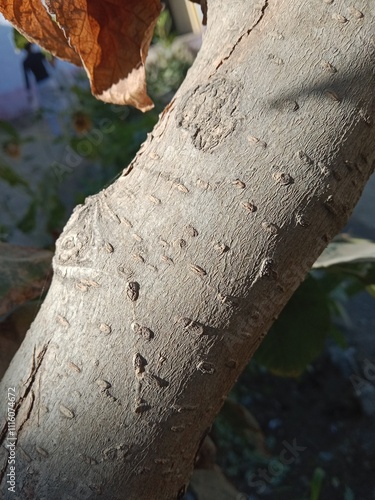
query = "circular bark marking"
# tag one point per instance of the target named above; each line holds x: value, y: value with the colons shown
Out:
x: 269, y: 227
x: 206, y: 367
x: 266, y: 267
x: 208, y: 113
x: 339, y: 18
x: 67, y: 412
x: 141, y: 407
x: 108, y: 247
x: 139, y: 363
x: 192, y: 326
x: 142, y: 331
x: 74, y: 367
x: 231, y: 363
x: 257, y: 141
x: 62, y: 320
x: 238, y: 183
x: 191, y: 231
x: 249, y: 205
x: 283, y: 178
x: 302, y: 220
x: 103, y: 384
x: 104, y: 328
x: 357, y: 14
x: 42, y: 451
x: 133, y: 290
x: 327, y: 66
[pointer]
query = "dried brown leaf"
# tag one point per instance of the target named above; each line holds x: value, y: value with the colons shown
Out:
x: 33, y: 21
x: 109, y: 37
x: 112, y: 38
x: 24, y: 275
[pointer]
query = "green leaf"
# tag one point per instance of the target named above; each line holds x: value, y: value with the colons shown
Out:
x: 19, y: 40
x: 371, y: 290
x: 56, y: 215
x: 299, y: 334
x: 317, y: 483
x: 348, y: 250
x: 338, y: 337
x: 163, y: 28
x: 8, y: 175
x: 243, y: 424
x: 28, y: 221
x: 9, y: 130
x: 348, y: 493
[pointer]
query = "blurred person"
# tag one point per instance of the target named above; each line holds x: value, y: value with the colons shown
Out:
x: 48, y: 92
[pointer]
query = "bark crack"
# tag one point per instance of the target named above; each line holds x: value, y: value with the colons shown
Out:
x: 3, y: 470
x: 34, y: 370
x: 247, y: 33
x: 30, y: 382
x: 28, y: 413
x: 3, y: 432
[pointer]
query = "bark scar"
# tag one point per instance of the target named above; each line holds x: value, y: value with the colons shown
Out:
x: 29, y: 410
x: 247, y: 33
x: 37, y: 362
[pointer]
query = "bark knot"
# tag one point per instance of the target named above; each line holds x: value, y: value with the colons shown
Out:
x: 208, y: 113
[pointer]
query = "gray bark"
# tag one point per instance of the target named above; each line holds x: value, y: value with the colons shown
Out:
x: 166, y: 282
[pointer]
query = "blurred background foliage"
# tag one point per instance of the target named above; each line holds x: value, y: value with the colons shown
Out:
x: 104, y: 138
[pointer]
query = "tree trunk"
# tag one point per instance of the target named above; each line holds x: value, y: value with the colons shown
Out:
x: 166, y: 282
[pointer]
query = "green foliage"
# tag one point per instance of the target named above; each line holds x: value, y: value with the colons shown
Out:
x: 163, y: 29
x: 9, y: 130
x: 317, y: 483
x: 168, y: 61
x: 8, y: 175
x: 19, y: 40
x: 237, y: 448
x: 28, y: 221
x: 166, y: 71
x: 348, y: 493
x: 111, y: 135
x: 10, y: 144
x: 295, y: 340
x: 108, y: 134
x: 300, y: 333
x: 103, y: 139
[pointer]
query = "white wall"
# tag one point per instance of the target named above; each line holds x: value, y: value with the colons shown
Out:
x: 11, y: 76
x: 13, y: 96
x: 187, y: 16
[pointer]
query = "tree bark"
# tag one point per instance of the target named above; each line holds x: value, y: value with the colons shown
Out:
x: 166, y: 282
